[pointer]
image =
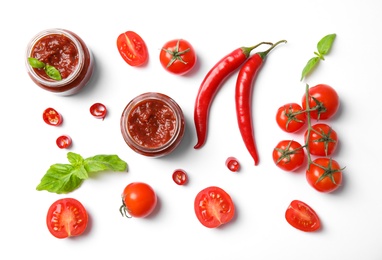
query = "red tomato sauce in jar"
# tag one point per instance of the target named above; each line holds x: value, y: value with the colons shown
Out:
x: 152, y: 124
x: 65, y: 51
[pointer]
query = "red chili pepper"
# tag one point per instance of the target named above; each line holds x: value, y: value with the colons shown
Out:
x: 243, y: 97
x: 210, y: 86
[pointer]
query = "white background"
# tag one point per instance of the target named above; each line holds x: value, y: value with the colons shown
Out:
x: 351, y: 217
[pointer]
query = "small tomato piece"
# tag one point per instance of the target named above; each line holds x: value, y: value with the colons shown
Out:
x: 52, y: 117
x: 214, y: 207
x: 301, y: 216
x: 138, y: 200
x: 67, y: 218
x: 324, y: 175
x: 98, y: 110
x: 178, y: 56
x: 132, y: 48
x: 64, y: 141
x: 232, y: 164
x: 179, y: 176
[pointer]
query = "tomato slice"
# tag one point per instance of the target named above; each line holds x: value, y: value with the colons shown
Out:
x: 98, y: 110
x: 179, y: 176
x: 301, y: 216
x: 214, y: 207
x: 64, y: 141
x: 132, y: 48
x: 52, y: 117
x: 66, y: 217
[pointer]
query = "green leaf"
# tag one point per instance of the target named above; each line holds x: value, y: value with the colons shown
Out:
x: 75, y: 159
x: 60, y: 179
x: 325, y: 44
x: 35, y: 63
x: 310, y: 65
x: 52, y: 72
x: 105, y: 162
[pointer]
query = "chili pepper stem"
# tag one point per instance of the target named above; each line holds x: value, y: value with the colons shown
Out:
x: 265, y: 53
x: 247, y: 50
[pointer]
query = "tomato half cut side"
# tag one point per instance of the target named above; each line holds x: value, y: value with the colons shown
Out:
x: 214, y: 207
x: 132, y: 48
x: 67, y: 217
x: 301, y: 216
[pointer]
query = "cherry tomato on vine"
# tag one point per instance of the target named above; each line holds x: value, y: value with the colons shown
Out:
x: 324, y: 175
x: 98, y: 110
x: 178, y: 56
x: 138, y: 200
x: 301, y: 216
x: 64, y: 141
x: 288, y: 155
x: 324, y: 101
x: 290, y: 117
x: 67, y: 218
x: 323, y: 140
x: 179, y: 176
x: 214, y: 207
x: 52, y: 117
x: 232, y: 164
x: 132, y: 48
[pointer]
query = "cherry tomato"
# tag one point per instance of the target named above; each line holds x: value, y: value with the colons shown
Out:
x: 324, y: 175
x: 290, y: 117
x: 52, y: 117
x: 132, y: 48
x: 301, y: 216
x: 179, y: 176
x: 64, y: 141
x: 67, y: 217
x: 232, y: 164
x: 322, y: 140
x: 288, y: 155
x: 98, y: 110
x: 214, y: 207
x: 138, y: 200
x: 324, y: 101
x: 177, y: 56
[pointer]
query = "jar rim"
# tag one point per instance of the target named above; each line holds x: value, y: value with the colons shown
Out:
x: 76, y: 71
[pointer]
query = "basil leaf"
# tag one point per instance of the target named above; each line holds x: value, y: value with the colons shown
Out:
x: 105, y: 162
x: 325, y: 44
x: 60, y: 179
x: 35, y: 63
x: 75, y: 159
x: 52, y: 72
x: 310, y: 65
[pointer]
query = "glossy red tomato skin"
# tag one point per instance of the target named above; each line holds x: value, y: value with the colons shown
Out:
x: 214, y: 207
x: 178, y: 67
x: 180, y: 177
x: 290, y: 117
x: 132, y: 48
x: 67, y: 217
x: 64, y: 141
x: 326, y: 95
x: 301, y: 216
x: 52, y: 117
x: 323, y: 140
x: 139, y: 199
x: 288, y: 155
x: 98, y: 110
x: 325, y: 185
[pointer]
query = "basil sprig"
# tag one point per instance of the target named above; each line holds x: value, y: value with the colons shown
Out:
x: 51, y: 71
x: 64, y: 178
x: 323, y: 48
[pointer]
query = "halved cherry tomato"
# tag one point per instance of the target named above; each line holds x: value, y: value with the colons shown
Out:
x: 301, y: 216
x: 138, y: 200
x: 64, y: 141
x: 52, y: 117
x: 324, y: 101
x: 290, y: 117
x: 324, y: 175
x: 67, y: 217
x: 288, y: 155
x: 232, y: 164
x: 98, y: 110
x: 132, y: 48
x: 178, y: 56
x: 214, y: 207
x: 323, y: 140
x: 179, y: 176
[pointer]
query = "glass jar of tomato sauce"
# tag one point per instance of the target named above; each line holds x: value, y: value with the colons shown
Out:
x: 66, y: 52
x: 152, y: 124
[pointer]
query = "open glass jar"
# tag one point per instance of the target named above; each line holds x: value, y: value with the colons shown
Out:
x: 152, y: 124
x: 66, y: 52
